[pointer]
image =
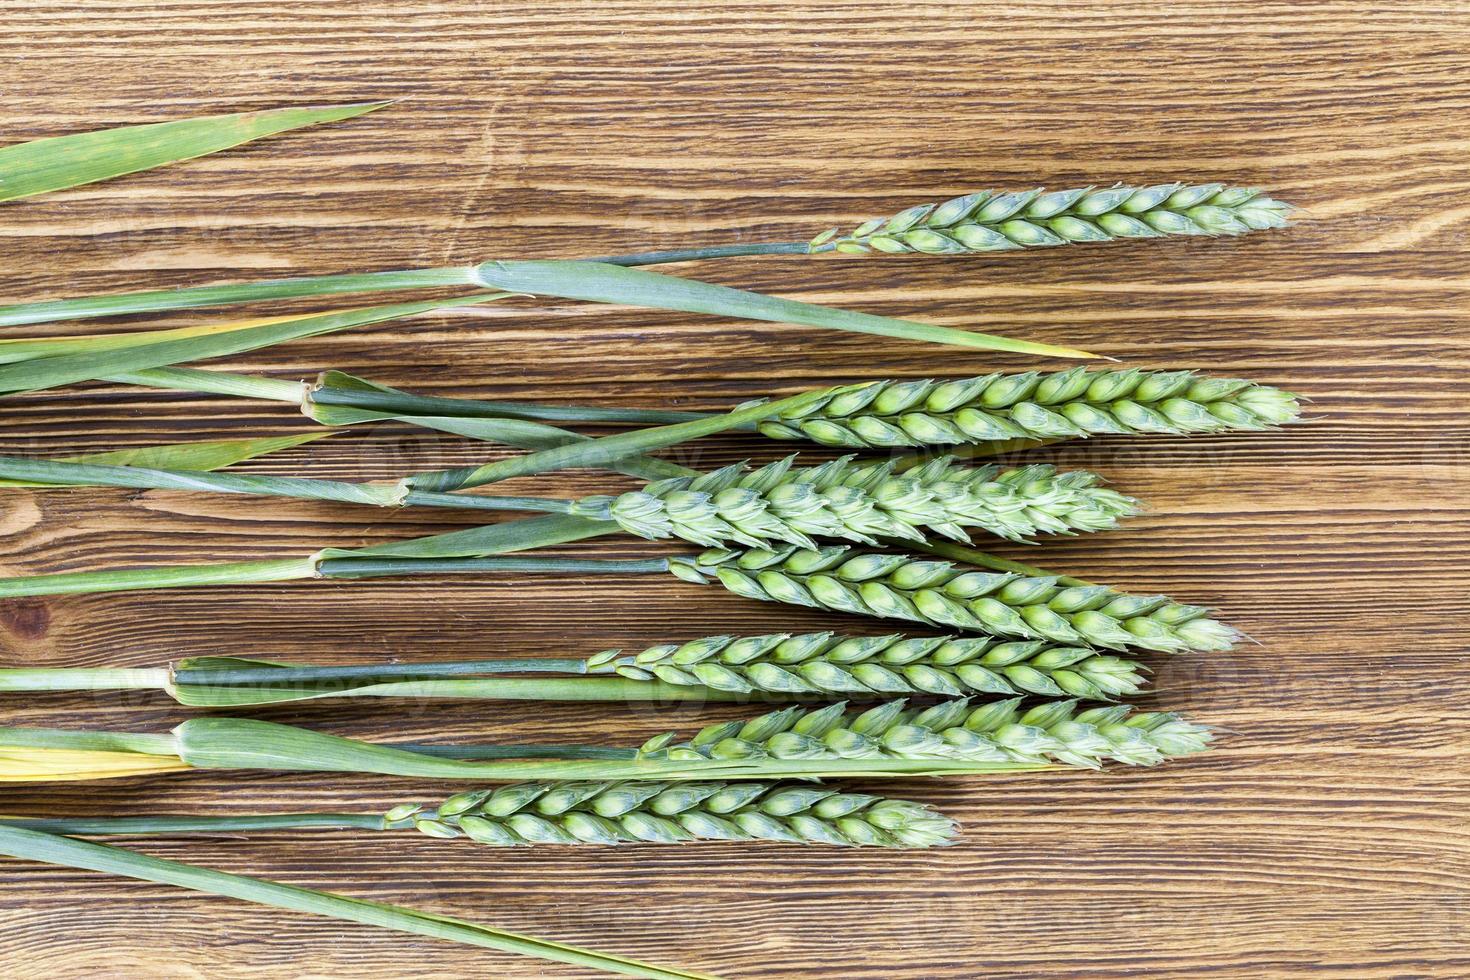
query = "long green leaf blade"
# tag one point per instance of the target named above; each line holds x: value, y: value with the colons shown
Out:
x: 58, y: 473
x: 49, y: 372
x: 604, y: 283
x: 593, y: 281
x: 84, y: 158
x: 230, y: 294
x: 29, y: 348
x: 32, y: 845
x: 200, y: 457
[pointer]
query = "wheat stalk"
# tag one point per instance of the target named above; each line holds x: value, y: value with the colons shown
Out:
x: 891, y: 739
x: 861, y: 501
x: 992, y: 221
x: 772, y: 505
x: 824, y: 663
x: 939, y: 593
x: 1061, y: 405
x: 711, y: 668
x: 592, y: 812
x: 1022, y: 409
x: 1001, y: 731
x: 1012, y: 601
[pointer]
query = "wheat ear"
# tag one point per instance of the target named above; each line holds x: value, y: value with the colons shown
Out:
x: 1062, y: 405
x: 824, y: 663
x: 941, y: 593
x: 994, y: 221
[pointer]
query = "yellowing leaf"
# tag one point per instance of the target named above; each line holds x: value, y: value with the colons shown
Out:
x: 27, y: 349
x: 26, y: 764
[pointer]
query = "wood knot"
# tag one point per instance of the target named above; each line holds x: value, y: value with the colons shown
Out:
x: 26, y: 618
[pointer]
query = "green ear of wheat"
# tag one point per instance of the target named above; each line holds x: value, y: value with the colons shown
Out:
x: 862, y: 501
x: 941, y: 593
x: 673, y: 813
x: 1062, y: 405
x: 1001, y: 731
x: 994, y: 221
x: 823, y: 663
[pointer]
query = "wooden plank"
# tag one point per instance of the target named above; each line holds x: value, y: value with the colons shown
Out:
x: 1325, y: 837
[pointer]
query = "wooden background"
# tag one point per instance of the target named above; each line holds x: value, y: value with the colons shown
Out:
x: 1328, y: 834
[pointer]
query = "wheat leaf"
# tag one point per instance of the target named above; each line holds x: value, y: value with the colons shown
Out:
x: 34, y: 845
x: 84, y: 158
x: 199, y: 457
x: 603, y: 283
x: 28, y: 349
x: 87, y: 364
x: 599, y: 282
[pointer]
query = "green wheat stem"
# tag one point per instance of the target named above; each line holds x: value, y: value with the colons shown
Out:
x: 712, y: 252
x: 33, y: 845
x: 600, y: 452
x: 1019, y: 602
x: 184, y: 673
x: 152, y: 826
x: 18, y: 679
x: 773, y: 504
x: 975, y: 416
x: 159, y: 577
x: 401, y: 403
x: 710, y: 668
x: 280, y: 683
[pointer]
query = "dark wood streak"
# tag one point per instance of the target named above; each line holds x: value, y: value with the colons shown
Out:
x: 1327, y: 835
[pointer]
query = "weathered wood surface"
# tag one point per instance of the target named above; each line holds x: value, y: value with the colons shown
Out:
x: 1328, y: 834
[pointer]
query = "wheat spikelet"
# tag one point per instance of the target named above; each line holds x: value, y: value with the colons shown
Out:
x: 992, y: 221
x: 823, y: 663
x: 861, y: 501
x: 940, y: 593
x: 1001, y: 731
x: 1062, y: 405
x: 671, y: 813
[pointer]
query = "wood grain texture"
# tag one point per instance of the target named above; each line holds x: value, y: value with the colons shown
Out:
x: 1326, y: 837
